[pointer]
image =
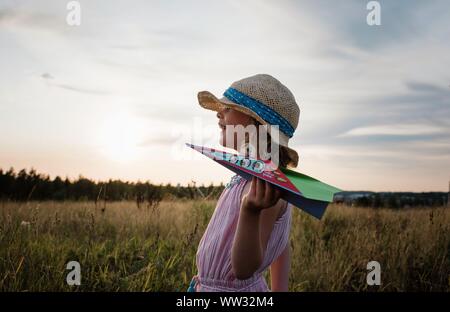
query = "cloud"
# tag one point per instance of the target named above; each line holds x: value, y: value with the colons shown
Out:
x: 429, y: 88
x: 420, y: 111
x: 402, y: 22
x: 47, y: 76
x: 161, y: 140
x: 395, y: 129
x: 421, y: 102
x: 433, y: 156
x: 20, y: 17
x: 81, y: 90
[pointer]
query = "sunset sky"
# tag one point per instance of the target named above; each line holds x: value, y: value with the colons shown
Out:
x: 116, y: 97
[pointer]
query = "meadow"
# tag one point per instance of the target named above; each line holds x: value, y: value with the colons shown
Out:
x: 121, y: 247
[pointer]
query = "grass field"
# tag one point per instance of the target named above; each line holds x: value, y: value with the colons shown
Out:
x: 123, y: 248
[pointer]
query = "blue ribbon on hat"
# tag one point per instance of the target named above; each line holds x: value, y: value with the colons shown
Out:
x: 263, y: 111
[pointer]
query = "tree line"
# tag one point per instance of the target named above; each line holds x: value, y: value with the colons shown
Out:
x: 396, y: 200
x: 30, y: 185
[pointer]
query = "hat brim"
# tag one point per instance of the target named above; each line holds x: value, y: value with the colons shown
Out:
x: 209, y: 101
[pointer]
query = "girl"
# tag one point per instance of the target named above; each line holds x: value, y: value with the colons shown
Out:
x: 249, y: 229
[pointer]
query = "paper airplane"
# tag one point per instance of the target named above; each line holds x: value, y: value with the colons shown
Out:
x: 304, y: 192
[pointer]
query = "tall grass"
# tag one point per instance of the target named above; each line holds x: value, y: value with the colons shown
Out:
x: 412, y: 247
x: 125, y: 248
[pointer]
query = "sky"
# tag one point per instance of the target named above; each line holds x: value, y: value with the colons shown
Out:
x: 116, y: 96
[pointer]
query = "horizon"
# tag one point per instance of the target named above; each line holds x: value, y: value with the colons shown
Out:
x: 116, y: 96
x: 96, y: 181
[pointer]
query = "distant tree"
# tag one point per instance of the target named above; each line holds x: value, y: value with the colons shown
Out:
x: 392, y: 201
x: 363, y: 201
x: 377, y: 201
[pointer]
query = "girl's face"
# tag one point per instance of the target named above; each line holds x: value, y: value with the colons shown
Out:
x: 230, y: 117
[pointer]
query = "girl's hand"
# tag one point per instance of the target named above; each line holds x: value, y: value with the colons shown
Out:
x: 261, y: 195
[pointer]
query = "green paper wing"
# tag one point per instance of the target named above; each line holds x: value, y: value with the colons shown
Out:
x: 311, y: 188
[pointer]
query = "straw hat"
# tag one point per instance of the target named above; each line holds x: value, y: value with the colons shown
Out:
x: 264, y: 98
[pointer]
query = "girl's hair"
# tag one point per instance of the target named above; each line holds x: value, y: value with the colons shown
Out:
x: 285, y: 158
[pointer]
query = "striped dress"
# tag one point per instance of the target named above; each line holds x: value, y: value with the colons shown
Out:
x: 214, y: 251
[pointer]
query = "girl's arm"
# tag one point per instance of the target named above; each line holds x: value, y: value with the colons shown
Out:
x: 279, y: 271
x: 260, y: 208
